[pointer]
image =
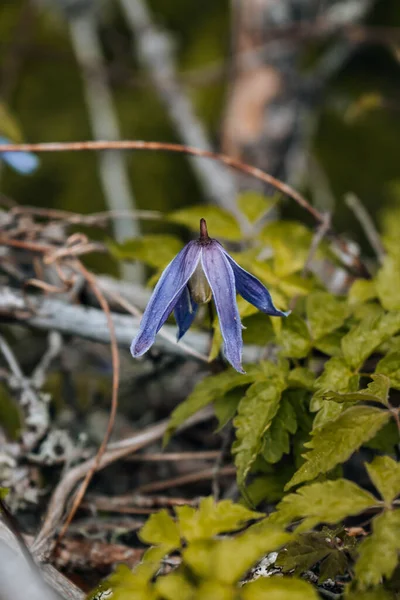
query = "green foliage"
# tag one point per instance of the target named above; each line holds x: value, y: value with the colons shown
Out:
x: 220, y: 222
x: 326, y: 502
x: 297, y: 418
x: 212, y: 566
x: 325, y: 313
x: 335, y: 442
x: 255, y: 414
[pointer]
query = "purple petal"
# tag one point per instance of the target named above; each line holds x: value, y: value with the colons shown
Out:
x: 222, y: 282
x: 252, y: 290
x: 22, y: 162
x: 185, y: 311
x: 165, y: 296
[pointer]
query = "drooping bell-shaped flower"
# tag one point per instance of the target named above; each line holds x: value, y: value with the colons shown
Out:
x: 24, y: 163
x: 203, y: 270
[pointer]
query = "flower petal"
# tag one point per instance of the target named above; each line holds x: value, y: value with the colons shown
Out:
x: 252, y: 290
x: 22, y: 162
x: 220, y: 276
x: 165, y: 296
x: 185, y: 311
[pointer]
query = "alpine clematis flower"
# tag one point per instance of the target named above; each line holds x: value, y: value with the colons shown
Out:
x: 202, y: 270
x: 22, y: 162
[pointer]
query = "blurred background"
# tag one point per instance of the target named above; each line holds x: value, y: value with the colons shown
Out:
x: 306, y: 89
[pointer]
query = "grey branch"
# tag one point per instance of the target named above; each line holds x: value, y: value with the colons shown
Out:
x: 91, y: 323
x: 112, y: 165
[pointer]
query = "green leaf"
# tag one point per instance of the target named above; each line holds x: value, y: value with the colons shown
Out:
x: 361, y: 291
x: 211, y: 590
x: 276, y: 438
x: 335, y: 442
x: 154, y: 250
x: 326, y: 502
x: 291, y: 243
x: 389, y: 365
x: 161, y: 529
x: 255, y: 413
x: 300, y: 377
x: 212, y: 518
x: 376, y: 391
x: 384, y: 473
x: 220, y: 223
x: 278, y: 588
x: 378, y: 554
x: 294, y: 337
x: 388, y: 283
x: 209, y: 559
x: 254, y: 205
x: 325, y: 313
x: 365, y: 337
x: 206, y: 391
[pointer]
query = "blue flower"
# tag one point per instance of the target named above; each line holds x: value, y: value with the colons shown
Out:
x: 203, y: 269
x: 22, y: 162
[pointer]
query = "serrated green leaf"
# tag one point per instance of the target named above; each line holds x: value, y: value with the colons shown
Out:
x: 294, y: 337
x: 389, y: 365
x: 326, y: 502
x: 301, y: 377
x: 325, y: 313
x: 212, y: 518
x: 365, y: 337
x: 267, y: 487
x: 384, y: 473
x: 361, y: 291
x: 255, y: 413
x: 154, y: 250
x: 291, y: 243
x: 335, y: 442
x: 159, y: 529
x: 276, y: 439
x: 376, y: 391
x: 388, y: 283
x: 378, y: 554
x: 206, y: 391
x: 278, y: 588
x: 220, y: 222
x: 254, y: 205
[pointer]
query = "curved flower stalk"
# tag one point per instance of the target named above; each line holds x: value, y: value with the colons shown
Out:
x: 202, y: 270
x: 24, y: 163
